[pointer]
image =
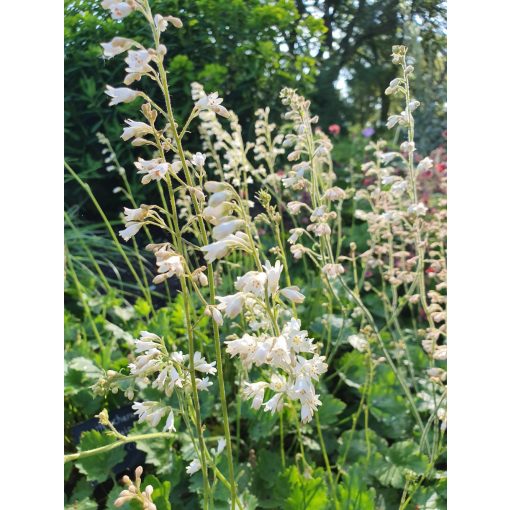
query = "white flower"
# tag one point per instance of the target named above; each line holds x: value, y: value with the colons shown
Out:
x: 225, y: 228
x: 167, y: 379
x: 399, y: 187
x: 297, y: 250
x: 296, y: 233
x: 260, y: 354
x: 241, y: 346
x: 311, y: 367
x: 198, y: 159
x: 419, y: 209
x: 407, y: 146
x: 278, y: 383
x: 390, y: 179
x: 425, y: 164
x: 220, y: 249
x: 213, y: 312
x: 215, y: 214
x: 151, y: 412
x: 146, y: 364
x: 202, y: 366
x: 219, y: 198
x: 280, y: 354
x: 138, y: 61
x: 231, y: 305
x: 253, y: 282
x: 273, y: 275
x: 152, y: 169
x: 193, y: 467
x: 333, y: 270
x: 212, y: 102
x: 118, y: 9
x: 161, y: 22
x: 147, y: 341
x: 135, y: 129
x: 309, y: 406
x: 319, y: 229
x: 335, y: 193
x: 274, y: 404
x: 358, y: 342
x: 134, y: 220
x: 255, y: 391
x: 297, y: 339
x: 393, y: 121
x: 295, y: 207
x: 388, y: 157
x: 136, y: 214
x: 292, y: 293
x: 215, y: 186
x: 131, y: 230
x: 170, y: 264
x: 121, y: 95
x: 203, y: 384
x: 413, y: 104
x: 318, y: 214
x: 116, y: 46
x: 221, y: 445
x: 169, y: 424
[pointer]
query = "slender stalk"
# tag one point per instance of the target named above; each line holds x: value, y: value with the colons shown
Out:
x: 124, y: 440
x: 326, y: 460
x: 210, y: 272
x: 105, y: 355
x: 108, y: 225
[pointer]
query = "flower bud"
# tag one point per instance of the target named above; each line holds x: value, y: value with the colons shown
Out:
x: 408, y: 70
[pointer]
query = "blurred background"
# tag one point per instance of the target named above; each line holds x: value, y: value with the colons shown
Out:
x: 335, y: 52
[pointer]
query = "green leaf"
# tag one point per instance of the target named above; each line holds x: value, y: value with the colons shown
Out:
x: 98, y: 467
x: 353, y: 493
x: 306, y: 493
x: 355, y: 445
x: 85, y: 504
x: 82, y: 490
x: 268, y: 466
x: 402, y: 460
x: 329, y: 410
x: 142, y: 307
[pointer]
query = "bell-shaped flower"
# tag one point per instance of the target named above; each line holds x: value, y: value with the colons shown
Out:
x: 135, y: 129
x: 202, y: 366
x: 193, y: 467
x: 116, y: 46
x: 255, y: 391
x: 212, y: 102
x: 121, y: 95
x: 231, y: 305
x: 273, y: 276
x: 220, y: 249
x: 292, y: 294
x: 118, y: 9
x: 252, y: 282
x: 227, y: 225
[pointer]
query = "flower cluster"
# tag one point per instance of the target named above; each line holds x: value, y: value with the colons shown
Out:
x: 290, y: 375
x: 134, y: 492
x: 165, y: 371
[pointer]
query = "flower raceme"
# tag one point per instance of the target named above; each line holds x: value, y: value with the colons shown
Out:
x: 290, y: 375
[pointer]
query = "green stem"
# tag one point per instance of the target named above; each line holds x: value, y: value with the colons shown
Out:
x: 112, y: 446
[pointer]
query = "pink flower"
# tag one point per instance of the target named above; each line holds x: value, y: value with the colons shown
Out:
x: 334, y: 129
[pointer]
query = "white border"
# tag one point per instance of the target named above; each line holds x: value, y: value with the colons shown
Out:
x: 478, y: 231
x: 31, y: 195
